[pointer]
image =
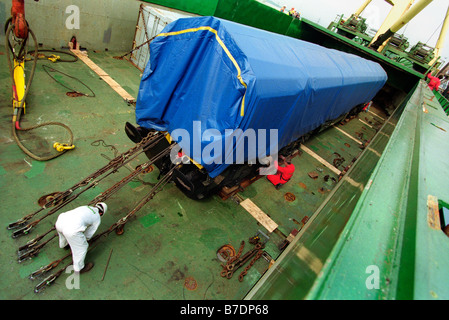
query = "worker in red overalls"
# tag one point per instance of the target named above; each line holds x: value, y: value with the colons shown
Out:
x: 434, y: 82
x: 283, y: 174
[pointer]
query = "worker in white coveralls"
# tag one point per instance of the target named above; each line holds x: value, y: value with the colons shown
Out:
x: 75, y: 228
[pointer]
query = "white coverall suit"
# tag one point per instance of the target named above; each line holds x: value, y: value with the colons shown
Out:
x: 76, y: 227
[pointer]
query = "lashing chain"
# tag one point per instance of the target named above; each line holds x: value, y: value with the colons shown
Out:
x: 236, y: 262
x: 257, y: 257
x: 63, y: 198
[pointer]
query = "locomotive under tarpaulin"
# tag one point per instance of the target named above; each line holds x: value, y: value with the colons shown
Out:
x: 223, y: 75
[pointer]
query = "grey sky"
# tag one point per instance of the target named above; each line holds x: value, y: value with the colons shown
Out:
x: 425, y: 27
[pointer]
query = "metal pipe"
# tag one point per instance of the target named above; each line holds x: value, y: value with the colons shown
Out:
x: 107, y: 264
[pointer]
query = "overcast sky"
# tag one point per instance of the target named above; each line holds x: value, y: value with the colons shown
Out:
x: 425, y: 27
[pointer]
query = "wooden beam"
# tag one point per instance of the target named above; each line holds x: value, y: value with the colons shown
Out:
x: 321, y: 160
x: 103, y: 75
x: 259, y: 215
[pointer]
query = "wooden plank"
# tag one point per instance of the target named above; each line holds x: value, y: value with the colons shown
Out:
x: 259, y: 215
x: 321, y: 160
x: 366, y: 124
x: 433, y: 212
x: 376, y: 115
x: 103, y: 75
x: 348, y: 135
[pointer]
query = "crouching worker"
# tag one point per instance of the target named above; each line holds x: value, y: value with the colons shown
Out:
x: 75, y: 228
x: 283, y: 174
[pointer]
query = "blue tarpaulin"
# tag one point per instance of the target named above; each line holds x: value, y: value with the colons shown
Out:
x: 207, y: 77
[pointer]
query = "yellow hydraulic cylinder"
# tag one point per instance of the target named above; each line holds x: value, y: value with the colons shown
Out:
x: 19, y: 84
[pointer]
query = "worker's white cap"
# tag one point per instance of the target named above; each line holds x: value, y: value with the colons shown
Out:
x: 102, y: 206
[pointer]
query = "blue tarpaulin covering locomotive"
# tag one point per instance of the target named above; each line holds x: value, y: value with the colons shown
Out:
x: 211, y: 75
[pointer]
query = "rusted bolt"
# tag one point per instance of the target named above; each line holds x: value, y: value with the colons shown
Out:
x: 290, y: 197
x: 190, y: 283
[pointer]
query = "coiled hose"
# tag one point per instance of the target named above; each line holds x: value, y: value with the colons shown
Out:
x: 18, y: 111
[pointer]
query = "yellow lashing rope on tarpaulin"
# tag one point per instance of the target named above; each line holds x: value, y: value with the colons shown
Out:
x: 225, y: 49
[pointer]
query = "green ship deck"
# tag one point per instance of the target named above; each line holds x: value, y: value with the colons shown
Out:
x: 169, y: 249
x: 382, y: 216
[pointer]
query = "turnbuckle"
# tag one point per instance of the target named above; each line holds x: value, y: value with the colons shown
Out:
x: 230, y: 268
x: 23, y: 230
